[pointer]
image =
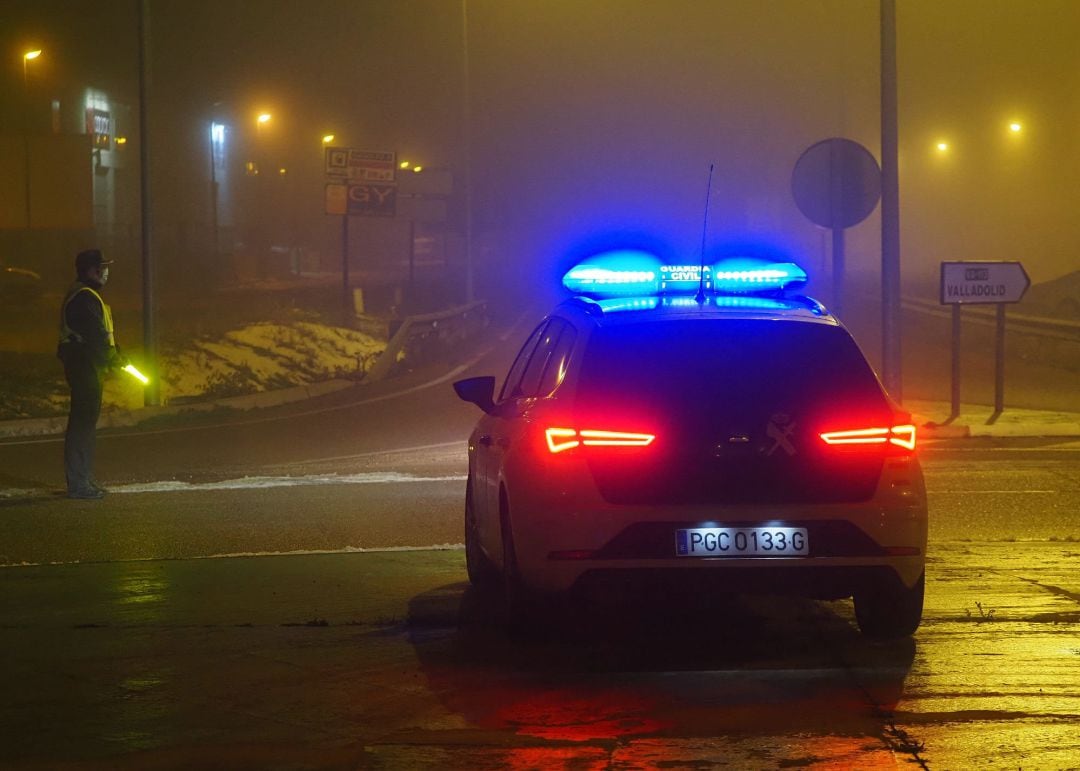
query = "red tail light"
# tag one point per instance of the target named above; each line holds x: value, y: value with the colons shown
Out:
x: 899, y: 436
x: 560, y: 439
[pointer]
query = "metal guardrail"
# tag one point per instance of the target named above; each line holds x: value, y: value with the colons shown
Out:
x: 1034, y: 325
x: 429, y: 336
x: 1051, y: 341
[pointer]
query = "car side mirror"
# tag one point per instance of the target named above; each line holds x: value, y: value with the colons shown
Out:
x: 477, y: 390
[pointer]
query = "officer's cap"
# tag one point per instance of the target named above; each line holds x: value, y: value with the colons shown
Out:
x: 90, y: 258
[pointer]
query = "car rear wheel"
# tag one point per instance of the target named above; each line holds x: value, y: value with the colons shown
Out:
x: 516, y: 596
x: 889, y: 610
x: 482, y: 573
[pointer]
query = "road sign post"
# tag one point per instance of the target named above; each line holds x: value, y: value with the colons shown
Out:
x: 981, y: 283
x: 359, y: 182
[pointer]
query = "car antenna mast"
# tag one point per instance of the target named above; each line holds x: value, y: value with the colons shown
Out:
x: 700, y: 297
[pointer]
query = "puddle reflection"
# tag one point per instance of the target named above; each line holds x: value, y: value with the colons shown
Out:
x: 605, y: 671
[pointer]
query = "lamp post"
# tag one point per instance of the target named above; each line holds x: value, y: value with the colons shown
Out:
x: 466, y: 130
x: 27, y: 57
x: 890, y: 206
x: 261, y: 240
x: 217, y: 140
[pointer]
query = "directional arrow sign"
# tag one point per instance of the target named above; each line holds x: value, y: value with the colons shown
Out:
x: 971, y: 283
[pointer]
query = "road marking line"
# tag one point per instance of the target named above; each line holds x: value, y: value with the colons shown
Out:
x: 991, y: 492
x: 1070, y: 447
x: 462, y: 444
x: 245, y: 555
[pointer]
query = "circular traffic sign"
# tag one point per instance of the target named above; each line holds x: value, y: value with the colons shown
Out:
x: 836, y: 183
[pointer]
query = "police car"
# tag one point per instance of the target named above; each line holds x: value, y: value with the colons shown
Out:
x: 701, y: 427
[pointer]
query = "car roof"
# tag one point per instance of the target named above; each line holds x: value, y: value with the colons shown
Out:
x: 624, y: 311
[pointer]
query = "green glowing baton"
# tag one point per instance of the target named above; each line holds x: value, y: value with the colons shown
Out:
x: 131, y: 370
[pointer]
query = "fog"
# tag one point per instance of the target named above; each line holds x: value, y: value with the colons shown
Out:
x: 580, y: 125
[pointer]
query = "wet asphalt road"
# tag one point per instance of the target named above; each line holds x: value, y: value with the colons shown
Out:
x: 389, y: 660
x: 135, y: 654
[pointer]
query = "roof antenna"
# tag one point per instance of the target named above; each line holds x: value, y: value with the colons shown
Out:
x: 700, y: 297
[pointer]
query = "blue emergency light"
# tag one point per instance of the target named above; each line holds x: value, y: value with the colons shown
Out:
x: 640, y: 274
x: 624, y: 273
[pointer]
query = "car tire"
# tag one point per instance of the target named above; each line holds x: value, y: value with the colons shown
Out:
x: 889, y: 610
x: 517, y: 600
x: 482, y: 574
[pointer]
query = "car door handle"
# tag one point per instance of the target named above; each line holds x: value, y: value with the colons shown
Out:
x: 484, y: 440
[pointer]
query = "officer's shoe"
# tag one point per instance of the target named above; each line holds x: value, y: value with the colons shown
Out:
x: 98, y: 486
x: 86, y: 493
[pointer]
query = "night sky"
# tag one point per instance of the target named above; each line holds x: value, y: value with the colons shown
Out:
x: 598, y: 120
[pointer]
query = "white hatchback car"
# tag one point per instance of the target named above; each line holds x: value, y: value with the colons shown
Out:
x: 723, y: 442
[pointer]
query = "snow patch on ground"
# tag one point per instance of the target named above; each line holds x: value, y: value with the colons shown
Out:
x: 257, y: 357
x: 267, y: 482
x: 293, y: 553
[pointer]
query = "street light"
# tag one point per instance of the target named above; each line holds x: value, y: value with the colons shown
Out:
x: 28, y: 57
x: 1015, y: 127
x: 942, y: 147
x: 264, y: 117
x: 327, y: 139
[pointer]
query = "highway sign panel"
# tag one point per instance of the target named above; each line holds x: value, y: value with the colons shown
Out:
x: 372, y: 200
x: 336, y: 198
x: 346, y: 163
x: 972, y: 283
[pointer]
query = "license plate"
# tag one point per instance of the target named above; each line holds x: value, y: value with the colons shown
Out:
x: 742, y: 542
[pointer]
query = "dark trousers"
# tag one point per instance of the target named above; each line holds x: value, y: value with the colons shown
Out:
x: 86, y: 381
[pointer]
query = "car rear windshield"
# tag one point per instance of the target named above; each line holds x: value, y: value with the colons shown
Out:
x: 736, y: 408
x: 695, y: 363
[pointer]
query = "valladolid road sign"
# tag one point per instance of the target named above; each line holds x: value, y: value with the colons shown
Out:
x: 982, y: 282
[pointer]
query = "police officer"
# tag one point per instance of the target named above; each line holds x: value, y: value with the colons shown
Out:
x: 88, y: 350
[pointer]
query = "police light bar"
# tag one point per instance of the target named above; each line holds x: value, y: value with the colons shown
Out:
x: 744, y: 274
x: 625, y: 273
x: 640, y: 274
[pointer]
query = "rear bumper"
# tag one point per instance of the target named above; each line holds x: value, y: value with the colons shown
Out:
x: 824, y: 582
x: 822, y: 578
x: 560, y: 535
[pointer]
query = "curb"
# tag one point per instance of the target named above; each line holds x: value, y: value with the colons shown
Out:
x: 928, y: 429
x: 27, y: 427
x: 932, y: 430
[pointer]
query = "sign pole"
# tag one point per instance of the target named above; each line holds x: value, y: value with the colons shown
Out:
x: 991, y: 282
x: 999, y: 367
x: 838, y: 268
x: 345, y: 299
x: 412, y: 254
x: 954, y: 413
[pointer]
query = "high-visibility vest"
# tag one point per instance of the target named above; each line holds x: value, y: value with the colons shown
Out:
x: 69, y: 335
